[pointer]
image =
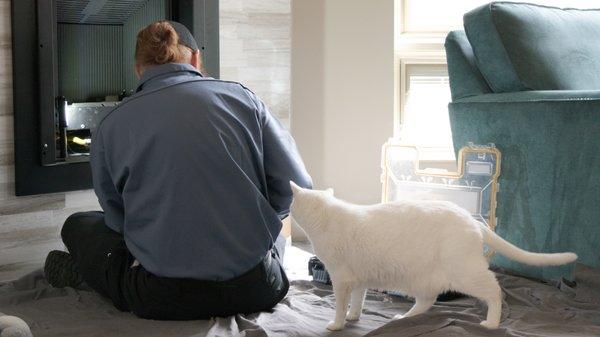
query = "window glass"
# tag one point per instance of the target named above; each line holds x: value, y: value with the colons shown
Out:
x: 425, y: 115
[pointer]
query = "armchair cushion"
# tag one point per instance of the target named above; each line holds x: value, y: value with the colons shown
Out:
x: 521, y: 46
x: 466, y: 77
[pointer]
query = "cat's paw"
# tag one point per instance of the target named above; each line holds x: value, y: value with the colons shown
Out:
x: 335, y: 326
x: 399, y: 316
x: 489, y: 325
x: 353, y: 316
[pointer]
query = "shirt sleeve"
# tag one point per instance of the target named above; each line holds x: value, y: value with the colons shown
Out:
x: 108, y: 196
x: 282, y: 162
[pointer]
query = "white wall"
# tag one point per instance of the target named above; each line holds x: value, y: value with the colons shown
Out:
x: 343, y: 91
x: 255, y: 49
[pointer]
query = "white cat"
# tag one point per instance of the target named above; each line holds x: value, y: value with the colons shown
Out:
x: 421, y: 248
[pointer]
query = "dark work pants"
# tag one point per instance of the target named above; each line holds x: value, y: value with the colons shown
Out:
x: 105, y: 263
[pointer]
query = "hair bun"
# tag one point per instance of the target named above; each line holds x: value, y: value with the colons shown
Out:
x: 158, y: 43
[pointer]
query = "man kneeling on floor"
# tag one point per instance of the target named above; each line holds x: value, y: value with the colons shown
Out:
x: 193, y: 176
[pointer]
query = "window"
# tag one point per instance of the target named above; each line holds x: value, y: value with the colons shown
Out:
x: 426, y: 95
x: 421, y: 74
x: 419, y: 16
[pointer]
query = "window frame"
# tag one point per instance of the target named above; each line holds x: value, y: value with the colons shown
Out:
x: 413, y: 48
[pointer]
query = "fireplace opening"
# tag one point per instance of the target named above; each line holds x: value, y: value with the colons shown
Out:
x: 73, y: 63
x: 91, y: 63
x: 74, y: 125
x: 78, y: 143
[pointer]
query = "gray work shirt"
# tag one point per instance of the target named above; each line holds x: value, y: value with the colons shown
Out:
x: 195, y: 173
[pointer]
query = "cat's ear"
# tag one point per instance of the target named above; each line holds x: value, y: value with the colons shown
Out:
x: 295, y: 188
x: 329, y: 191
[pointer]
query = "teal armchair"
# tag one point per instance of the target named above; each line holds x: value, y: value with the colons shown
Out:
x: 527, y: 78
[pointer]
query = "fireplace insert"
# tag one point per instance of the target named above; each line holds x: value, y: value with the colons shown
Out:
x: 73, y: 62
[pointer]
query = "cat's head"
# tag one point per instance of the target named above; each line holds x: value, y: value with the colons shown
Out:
x: 309, y: 206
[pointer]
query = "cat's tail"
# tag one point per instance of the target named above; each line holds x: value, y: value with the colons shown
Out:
x: 515, y: 253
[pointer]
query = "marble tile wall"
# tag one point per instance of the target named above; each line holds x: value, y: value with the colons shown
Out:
x: 255, y: 50
x: 255, y: 42
x: 29, y: 226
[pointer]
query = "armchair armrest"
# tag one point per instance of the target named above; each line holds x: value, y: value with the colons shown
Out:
x: 549, y: 185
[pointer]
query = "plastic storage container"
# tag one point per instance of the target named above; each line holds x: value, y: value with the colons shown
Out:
x: 473, y: 187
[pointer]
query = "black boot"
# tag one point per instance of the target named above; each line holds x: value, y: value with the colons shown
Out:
x: 60, y: 270
x: 449, y: 296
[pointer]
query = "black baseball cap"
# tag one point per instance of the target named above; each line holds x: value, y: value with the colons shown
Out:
x: 185, y: 37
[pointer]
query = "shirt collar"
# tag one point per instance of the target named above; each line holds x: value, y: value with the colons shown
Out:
x: 166, y: 69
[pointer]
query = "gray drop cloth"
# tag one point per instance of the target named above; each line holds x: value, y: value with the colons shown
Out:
x: 530, y: 308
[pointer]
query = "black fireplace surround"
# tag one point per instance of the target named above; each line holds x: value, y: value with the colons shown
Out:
x: 72, y: 63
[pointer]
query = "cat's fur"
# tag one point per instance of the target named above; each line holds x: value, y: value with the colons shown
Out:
x: 421, y: 248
